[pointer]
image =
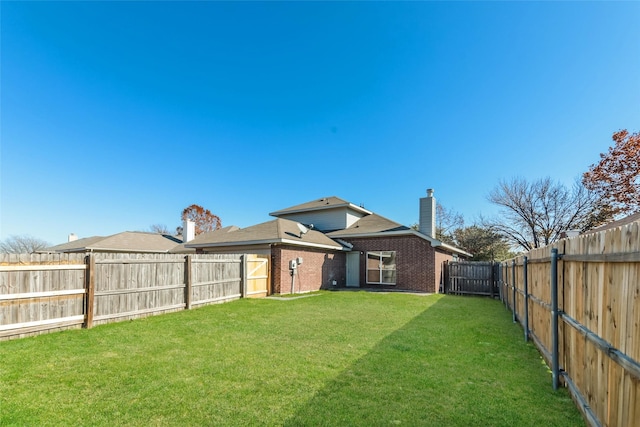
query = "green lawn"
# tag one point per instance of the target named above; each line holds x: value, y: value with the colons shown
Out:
x: 336, y: 359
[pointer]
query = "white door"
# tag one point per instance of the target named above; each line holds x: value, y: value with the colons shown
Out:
x: 353, y: 269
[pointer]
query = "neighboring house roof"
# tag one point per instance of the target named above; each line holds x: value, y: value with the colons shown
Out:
x: 321, y: 204
x: 279, y: 230
x: 128, y: 241
x: 75, y: 246
x: 623, y: 221
x: 375, y: 225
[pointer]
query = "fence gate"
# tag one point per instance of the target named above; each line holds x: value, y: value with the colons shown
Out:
x: 471, y: 277
x: 257, y: 276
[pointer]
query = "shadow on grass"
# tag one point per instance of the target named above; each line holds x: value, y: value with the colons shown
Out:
x: 460, y: 362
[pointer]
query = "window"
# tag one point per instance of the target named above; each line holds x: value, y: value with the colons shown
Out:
x: 381, y: 267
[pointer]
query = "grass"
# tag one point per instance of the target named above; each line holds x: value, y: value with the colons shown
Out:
x: 340, y: 358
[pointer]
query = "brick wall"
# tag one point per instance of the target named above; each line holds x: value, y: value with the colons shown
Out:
x: 317, y: 271
x: 417, y: 265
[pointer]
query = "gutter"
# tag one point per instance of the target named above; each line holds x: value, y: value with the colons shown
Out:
x: 264, y: 242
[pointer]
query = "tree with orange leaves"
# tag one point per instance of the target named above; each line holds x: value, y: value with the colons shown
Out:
x: 616, y: 178
x: 203, y: 218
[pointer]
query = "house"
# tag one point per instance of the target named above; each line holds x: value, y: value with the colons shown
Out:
x: 127, y: 241
x: 330, y: 242
x: 618, y: 223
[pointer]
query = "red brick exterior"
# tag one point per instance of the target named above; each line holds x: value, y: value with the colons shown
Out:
x: 418, y: 264
x: 318, y: 270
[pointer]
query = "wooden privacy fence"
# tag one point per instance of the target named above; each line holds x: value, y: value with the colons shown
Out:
x: 471, y: 277
x: 44, y: 292
x: 579, y: 300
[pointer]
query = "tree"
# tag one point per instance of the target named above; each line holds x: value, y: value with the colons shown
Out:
x: 534, y: 214
x: 203, y: 218
x: 447, y: 222
x: 159, y: 228
x: 484, y: 243
x: 23, y: 244
x: 616, y: 178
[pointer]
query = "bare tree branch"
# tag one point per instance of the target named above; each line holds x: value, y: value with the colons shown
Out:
x: 23, y: 244
x: 536, y: 214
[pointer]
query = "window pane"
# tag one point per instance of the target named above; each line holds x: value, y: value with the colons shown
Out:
x: 373, y: 260
x: 389, y: 276
x: 389, y: 260
x: 373, y: 276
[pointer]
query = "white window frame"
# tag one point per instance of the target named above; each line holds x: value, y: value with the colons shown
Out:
x: 381, y: 254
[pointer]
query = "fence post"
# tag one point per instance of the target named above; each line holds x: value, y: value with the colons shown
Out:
x: 243, y: 281
x: 526, y: 298
x: 492, y: 279
x: 513, y: 287
x: 501, y: 283
x: 90, y: 284
x: 555, y: 369
x: 188, y: 281
x: 445, y: 279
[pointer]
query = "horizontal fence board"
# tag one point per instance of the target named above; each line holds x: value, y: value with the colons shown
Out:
x: 138, y: 312
x: 218, y: 299
x: 38, y: 324
x: 45, y: 294
x: 42, y: 267
x: 138, y: 290
x: 617, y: 257
x: 140, y: 261
x: 217, y: 282
x: 218, y: 261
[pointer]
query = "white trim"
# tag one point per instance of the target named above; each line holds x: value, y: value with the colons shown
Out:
x: 321, y: 208
x: 315, y: 245
x: 220, y: 244
x: 269, y: 241
x: 380, y: 270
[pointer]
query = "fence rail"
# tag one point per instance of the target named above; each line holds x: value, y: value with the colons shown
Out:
x: 579, y: 300
x: 44, y: 292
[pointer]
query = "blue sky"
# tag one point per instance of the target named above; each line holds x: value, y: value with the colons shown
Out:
x: 117, y: 115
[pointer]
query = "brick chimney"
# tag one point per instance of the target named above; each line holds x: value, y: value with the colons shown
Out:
x: 427, y: 222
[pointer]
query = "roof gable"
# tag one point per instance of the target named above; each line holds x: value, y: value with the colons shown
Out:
x: 324, y: 203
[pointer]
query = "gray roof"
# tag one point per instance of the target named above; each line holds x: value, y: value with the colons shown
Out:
x: 618, y: 223
x: 373, y: 223
x: 279, y: 230
x: 127, y: 241
x: 331, y: 202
